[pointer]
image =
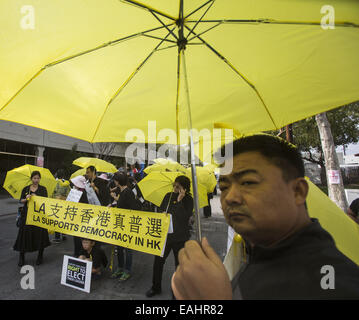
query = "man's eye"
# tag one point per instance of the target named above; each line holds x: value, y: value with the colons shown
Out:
x: 222, y: 188
x: 247, y: 183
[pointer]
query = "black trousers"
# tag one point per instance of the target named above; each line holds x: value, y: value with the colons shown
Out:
x: 77, y: 246
x: 160, y: 261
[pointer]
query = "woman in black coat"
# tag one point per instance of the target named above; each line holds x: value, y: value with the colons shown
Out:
x: 179, y: 204
x: 31, y: 238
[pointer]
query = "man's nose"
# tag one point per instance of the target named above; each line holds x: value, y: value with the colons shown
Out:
x: 234, y: 195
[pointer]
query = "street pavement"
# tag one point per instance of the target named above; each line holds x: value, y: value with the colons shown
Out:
x: 48, y: 275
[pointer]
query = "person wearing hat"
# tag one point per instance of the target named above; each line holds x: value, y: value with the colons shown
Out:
x: 79, y: 184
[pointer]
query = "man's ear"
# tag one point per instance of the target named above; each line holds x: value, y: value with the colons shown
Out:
x: 300, y: 188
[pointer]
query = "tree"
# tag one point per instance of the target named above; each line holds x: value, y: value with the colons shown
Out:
x: 344, y: 127
x: 69, y: 157
x: 104, y: 149
x: 335, y: 189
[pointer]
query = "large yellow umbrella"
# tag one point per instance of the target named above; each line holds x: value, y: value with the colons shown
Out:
x: 341, y: 227
x: 99, y: 164
x: 157, y: 184
x: 165, y: 165
x: 18, y: 178
x: 205, y: 178
x: 253, y: 64
x: 80, y: 172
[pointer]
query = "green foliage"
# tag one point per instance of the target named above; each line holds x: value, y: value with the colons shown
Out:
x: 344, y: 125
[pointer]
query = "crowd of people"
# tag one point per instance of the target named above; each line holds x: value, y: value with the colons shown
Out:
x: 119, y: 191
x: 263, y: 199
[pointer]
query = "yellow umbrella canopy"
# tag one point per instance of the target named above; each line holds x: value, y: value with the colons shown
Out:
x: 253, y: 64
x: 157, y: 184
x: 99, y: 164
x: 19, y: 178
x: 80, y: 172
x: 205, y: 178
x: 165, y: 165
x: 342, y: 228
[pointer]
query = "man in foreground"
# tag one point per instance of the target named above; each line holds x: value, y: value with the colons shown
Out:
x: 263, y: 199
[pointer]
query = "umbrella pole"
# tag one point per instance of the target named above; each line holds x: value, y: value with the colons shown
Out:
x: 193, y: 159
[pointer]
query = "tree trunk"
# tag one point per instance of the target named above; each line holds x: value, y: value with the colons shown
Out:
x: 335, y: 190
x: 323, y: 175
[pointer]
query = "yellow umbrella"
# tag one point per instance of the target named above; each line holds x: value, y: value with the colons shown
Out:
x: 253, y: 64
x: 342, y: 228
x: 157, y: 184
x: 210, y: 167
x: 205, y: 178
x: 165, y: 165
x: 18, y: 178
x: 80, y: 172
x: 99, y: 164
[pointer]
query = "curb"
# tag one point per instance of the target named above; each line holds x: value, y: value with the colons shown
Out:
x: 7, y: 214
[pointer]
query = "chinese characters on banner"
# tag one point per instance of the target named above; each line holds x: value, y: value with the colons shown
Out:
x: 137, y: 230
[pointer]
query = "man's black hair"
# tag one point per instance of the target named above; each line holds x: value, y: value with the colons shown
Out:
x: 60, y: 174
x: 121, y: 178
x: 185, y: 182
x: 276, y: 150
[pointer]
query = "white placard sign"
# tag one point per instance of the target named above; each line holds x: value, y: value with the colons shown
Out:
x: 76, y: 273
x: 333, y: 176
x: 74, y: 195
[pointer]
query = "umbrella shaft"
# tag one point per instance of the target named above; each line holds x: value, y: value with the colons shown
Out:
x: 193, y: 160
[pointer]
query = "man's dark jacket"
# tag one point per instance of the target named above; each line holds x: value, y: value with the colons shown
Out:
x: 295, y: 269
x: 104, y: 192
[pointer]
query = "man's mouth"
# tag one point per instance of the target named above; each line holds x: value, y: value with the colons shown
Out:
x: 235, y: 214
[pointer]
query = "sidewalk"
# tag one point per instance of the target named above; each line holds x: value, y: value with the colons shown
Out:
x: 8, y: 205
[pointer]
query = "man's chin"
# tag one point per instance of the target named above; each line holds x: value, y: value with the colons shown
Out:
x: 241, y: 227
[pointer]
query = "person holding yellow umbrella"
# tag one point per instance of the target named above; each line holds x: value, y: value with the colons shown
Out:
x: 16, y: 179
x: 179, y: 204
x: 286, y: 251
x: 31, y: 238
x: 157, y: 184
